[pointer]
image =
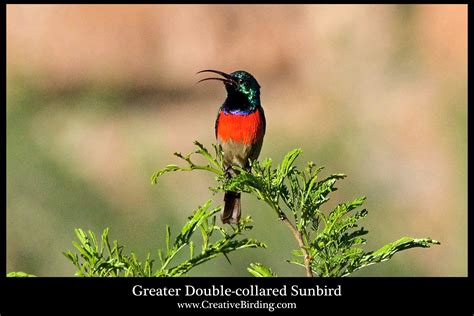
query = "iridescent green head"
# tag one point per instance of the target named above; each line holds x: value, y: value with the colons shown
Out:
x: 246, y: 86
x: 242, y: 88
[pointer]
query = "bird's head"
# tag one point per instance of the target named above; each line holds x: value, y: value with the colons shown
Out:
x: 240, y: 85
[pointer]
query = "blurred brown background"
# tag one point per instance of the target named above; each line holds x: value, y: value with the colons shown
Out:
x: 100, y: 96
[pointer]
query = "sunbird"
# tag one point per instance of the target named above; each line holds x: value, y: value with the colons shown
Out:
x: 239, y: 129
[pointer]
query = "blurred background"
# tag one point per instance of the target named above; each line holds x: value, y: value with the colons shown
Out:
x: 100, y: 96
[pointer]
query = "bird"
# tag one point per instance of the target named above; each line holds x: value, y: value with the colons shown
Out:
x: 239, y: 130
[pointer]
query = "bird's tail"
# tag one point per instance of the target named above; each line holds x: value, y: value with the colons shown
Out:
x: 231, y: 212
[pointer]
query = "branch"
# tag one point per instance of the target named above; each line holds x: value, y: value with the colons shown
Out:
x: 299, y: 239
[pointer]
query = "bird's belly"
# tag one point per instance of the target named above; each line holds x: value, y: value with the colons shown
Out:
x: 236, y: 153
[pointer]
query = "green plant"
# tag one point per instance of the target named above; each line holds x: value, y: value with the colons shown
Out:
x: 19, y: 275
x: 328, y: 243
x: 106, y: 259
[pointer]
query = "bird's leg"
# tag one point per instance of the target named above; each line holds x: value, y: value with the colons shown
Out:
x: 229, y: 172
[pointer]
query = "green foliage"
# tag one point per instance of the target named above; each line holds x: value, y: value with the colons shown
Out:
x: 387, y: 251
x: 259, y: 270
x: 214, y: 164
x: 19, y: 275
x: 108, y: 259
x: 329, y: 243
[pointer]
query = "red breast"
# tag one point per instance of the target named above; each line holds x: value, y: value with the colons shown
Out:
x: 246, y: 129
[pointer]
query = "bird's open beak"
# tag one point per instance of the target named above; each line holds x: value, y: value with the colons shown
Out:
x: 227, y: 78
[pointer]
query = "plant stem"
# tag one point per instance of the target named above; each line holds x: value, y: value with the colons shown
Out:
x: 299, y: 238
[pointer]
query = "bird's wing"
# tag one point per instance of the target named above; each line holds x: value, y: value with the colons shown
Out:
x: 262, y: 114
x: 217, y: 122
